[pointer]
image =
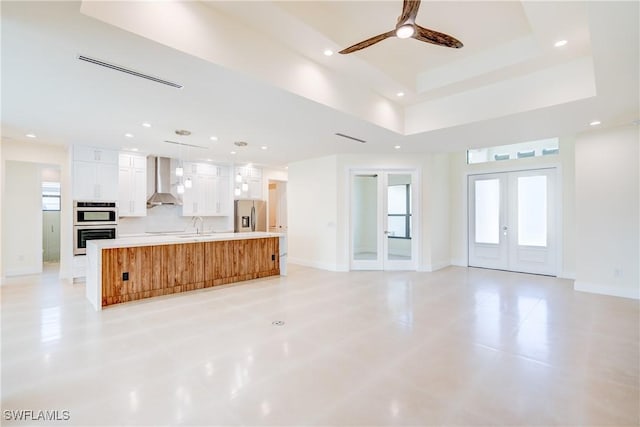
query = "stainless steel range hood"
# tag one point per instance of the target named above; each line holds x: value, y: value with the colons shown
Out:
x: 162, y: 194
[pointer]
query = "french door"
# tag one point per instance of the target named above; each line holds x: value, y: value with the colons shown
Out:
x: 512, y: 221
x: 382, y: 220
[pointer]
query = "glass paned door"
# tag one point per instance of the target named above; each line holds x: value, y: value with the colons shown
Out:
x: 488, y: 221
x: 512, y: 221
x: 399, y: 240
x: 533, y: 215
x: 365, y: 227
x: 382, y: 221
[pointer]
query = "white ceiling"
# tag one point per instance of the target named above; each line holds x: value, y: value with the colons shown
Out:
x: 255, y: 71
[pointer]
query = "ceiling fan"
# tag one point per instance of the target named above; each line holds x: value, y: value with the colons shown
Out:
x: 407, y: 27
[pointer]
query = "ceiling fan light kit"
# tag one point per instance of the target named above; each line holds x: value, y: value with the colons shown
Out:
x: 405, y: 31
x: 406, y: 27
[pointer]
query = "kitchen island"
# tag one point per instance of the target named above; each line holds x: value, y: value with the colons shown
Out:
x: 133, y: 268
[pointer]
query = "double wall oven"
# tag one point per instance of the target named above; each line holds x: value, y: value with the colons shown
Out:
x: 93, y: 220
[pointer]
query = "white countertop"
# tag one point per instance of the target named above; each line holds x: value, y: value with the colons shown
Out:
x: 170, y: 239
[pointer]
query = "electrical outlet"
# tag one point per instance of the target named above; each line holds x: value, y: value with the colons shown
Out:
x: 617, y: 272
x: 125, y: 276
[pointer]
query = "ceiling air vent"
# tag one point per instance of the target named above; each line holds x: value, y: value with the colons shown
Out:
x: 185, y: 144
x: 128, y: 71
x: 353, y: 138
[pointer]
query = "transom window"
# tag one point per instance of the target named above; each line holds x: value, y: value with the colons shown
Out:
x: 543, y: 147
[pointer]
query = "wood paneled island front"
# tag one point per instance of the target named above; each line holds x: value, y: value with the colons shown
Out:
x: 130, y: 269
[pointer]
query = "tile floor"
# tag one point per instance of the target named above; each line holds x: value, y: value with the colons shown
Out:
x: 455, y: 347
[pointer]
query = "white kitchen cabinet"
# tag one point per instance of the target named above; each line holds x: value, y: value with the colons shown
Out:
x: 209, y: 193
x: 251, y: 180
x: 95, y: 173
x: 84, y: 153
x: 95, y: 181
x: 132, y: 185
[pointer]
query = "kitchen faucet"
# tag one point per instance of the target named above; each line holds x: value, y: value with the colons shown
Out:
x: 195, y: 223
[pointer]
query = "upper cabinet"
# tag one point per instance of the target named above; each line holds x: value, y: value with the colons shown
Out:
x: 247, y: 183
x: 95, y: 173
x: 209, y: 191
x: 132, y: 185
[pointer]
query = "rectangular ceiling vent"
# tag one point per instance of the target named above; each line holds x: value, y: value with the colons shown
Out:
x: 185, y: 144
x: 128, y: 71
x: 353, y: 138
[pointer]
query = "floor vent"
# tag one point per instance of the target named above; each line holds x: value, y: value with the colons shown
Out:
x: 353, y: 138
x: 128, y: 71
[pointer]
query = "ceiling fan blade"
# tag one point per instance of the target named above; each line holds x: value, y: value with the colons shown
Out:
x: 434, y: 37
x: 368, y: 42
x: 409, y: 11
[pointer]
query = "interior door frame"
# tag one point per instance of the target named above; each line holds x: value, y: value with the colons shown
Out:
x: 380, y: 264
x: 559, y: 226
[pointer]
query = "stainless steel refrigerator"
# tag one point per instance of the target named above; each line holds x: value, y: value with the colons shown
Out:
x: 250, y: 215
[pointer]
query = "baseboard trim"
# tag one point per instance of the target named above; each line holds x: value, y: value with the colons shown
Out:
x: 459, y: 263
x: 567, y: 275
x: 22, y: 272
x: 428, y: 268
x: 312, y: 264
x: 596, y: 288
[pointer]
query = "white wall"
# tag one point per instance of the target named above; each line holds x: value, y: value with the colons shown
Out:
x: 438, y: 205
x: 607, y: 198
x: 22, y: 236
x: 459, y: 170
x: 312, y: 212
x: 37, y: 153
x: 1, y: 210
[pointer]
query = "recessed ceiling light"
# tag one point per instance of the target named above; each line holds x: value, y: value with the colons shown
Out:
x: 397, y: 147
x: 328, y: 52
x: 134, y: 149
x: 400, y: 94
x: 213, y: 138
x: 128, y: 135
x: 560, y: 43
x: 233, y: 152
x: 264, y: 147
x: 30, y: 135
x: 146, y: 125
x: 595, y: 123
